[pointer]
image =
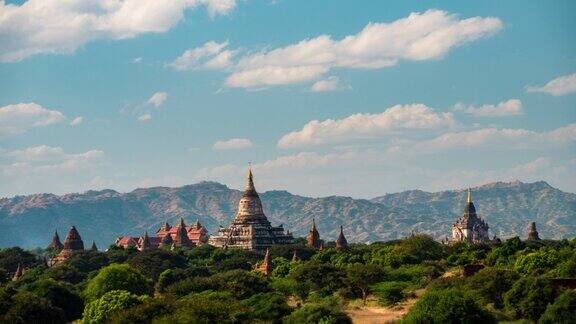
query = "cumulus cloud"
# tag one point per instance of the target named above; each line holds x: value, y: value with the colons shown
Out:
x: 137, y: 60
x: 158, y: 99
x: 510, y: 107
x: 233, y: 144
x: 18, y: 118
x: 560, y: 86
x: 144, y: 118
x: 211, y: 55
x: 393, y: 120
x: 76, y: 121
x: 420, y: 36
x: 56, y: 27
x: 330, y: 84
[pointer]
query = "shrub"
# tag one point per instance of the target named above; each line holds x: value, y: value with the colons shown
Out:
x: 99, y: 310
x: 536, y: 262
x: 447, y: 306
x: 491, y: 284
x: 562, y: 311
x: 325, y: 310
x: 117, y: 277
x: 390, y: 292
x: 529, y: 297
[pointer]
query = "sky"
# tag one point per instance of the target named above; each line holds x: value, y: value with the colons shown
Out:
x: 353, y: 98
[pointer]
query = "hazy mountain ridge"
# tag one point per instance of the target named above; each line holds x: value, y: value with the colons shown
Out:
x: 104, y: 215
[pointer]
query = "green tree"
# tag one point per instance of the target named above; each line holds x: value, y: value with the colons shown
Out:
x: 491, y: 284
x: 61, y: 295
x: 537, y: 262
x: 117, y: 277
x: 282, y: 267
x: 562, y: 311
x: 529, y: 297
x: 150, y: 310
x: 207, y: 307
x: 152, y: 262
x: 99, y: 310
x: 291, y: 287
x: 27, y: 308
x: 390, y: 292
x: 65, y: 273
x: 267, y: 306
x: 447, y: 306
x: 362, y: 276
x: 322, y: 277
x: 242, y: 284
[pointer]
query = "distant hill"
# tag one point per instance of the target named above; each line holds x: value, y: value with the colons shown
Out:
x: 29, y: 221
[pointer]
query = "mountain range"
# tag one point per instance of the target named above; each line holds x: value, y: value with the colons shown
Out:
x: 29, y: 221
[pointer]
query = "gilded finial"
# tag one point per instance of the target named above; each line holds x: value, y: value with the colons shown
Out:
x: 469, y: 195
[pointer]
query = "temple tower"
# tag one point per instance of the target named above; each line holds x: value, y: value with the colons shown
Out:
x: 266, y: 266
x: 470, y: 227
x: 313, y: 237
x: 72, y: 243
x: 341, y: 242
x: 94, y: 248
x: 532, y: 232
x: 181, y: 239
x: 250, y: 229
x: 19, y: 273
x: 56, y: 244
x: 144, y: 242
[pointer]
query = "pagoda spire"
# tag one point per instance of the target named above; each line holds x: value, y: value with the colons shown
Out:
x: 56, y: 244
x: 469, y: 195
x: 295, y: 256
x: 93, y: 247
x: 266, y: 265
x: 313, y: 237
x: 341, y: 242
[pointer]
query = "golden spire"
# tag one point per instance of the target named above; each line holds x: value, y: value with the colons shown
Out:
x: 250, y: 182
x: 469, y: 195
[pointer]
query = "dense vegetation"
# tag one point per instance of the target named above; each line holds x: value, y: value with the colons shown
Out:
x: 209, y: 285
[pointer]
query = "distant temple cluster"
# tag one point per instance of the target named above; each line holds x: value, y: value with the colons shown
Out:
x: 251, y: 230
x: 168, y: 237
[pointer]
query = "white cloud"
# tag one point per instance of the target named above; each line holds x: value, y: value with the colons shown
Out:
x: 560, y: 86
x: 137, y: 60
x: 144, y: 118
x: 510, y: 107
x: 211, y: 55
x: 18, y: 118
x: 47, y: 161
x: 54, y: 26
x: 420, y: 36
x: 233, y: 144
x: 158, y: 99
x: 76, y: 121
x: 492, y: 138
x: 393, y: 120
x: 330, y: 84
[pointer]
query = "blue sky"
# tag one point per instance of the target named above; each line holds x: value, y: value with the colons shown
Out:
x: 324, y: 97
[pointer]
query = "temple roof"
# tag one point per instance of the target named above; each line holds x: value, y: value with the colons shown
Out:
x: 73, y: 240
x: 56, y: 244
x: 341, y: 242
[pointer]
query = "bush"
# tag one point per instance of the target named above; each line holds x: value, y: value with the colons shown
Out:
x: 447, y: 306
x: 390, y: 292
x: 117, y: 277
x: 536, y: 263
x: 562, y: 311
x: 326, y: 310
x: 99, y: 310
x: 529, y: 297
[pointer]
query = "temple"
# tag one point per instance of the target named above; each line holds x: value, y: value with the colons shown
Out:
x: 250, y: 229
x: 56, y: 244
x: 313, y: 238
x: 266, y: 266
x: 341, y: 242
x: 72, y: 244
x: 532, y: 232
x: 470, y: 227
x: 168, y: 237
